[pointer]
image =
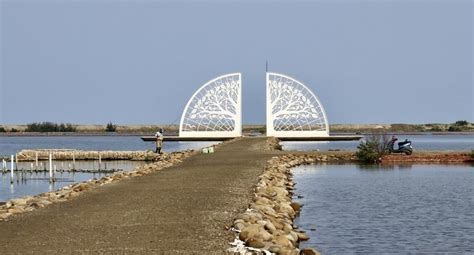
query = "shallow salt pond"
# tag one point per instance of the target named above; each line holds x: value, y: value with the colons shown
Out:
x: 35, y: 183
x: 29, y: 184
x: 395, y: 209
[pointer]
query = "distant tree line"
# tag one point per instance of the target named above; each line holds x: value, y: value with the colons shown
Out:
x: 49, y: 127
x: 110, y: 127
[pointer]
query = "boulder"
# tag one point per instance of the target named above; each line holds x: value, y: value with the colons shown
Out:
x: 309, y: 251
x: 255, y: 243
x: 270, y: 227
x: 283, y: 241
x: 296, y: 207
x: 274, y: 249
x: 302, y: 236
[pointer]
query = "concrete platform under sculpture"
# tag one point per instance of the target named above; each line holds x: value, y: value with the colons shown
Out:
x: 301, y: 139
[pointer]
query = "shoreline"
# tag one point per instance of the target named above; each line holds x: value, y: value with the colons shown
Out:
x: 29, y: 203
x: 246, y: 185
x: 177, y: 209
x: 140, y: 133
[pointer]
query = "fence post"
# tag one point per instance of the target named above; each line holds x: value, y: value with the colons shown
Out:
x: 50, y: 167
x: 11, y: 169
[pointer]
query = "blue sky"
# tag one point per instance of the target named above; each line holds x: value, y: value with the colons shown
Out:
x: 139, y: 61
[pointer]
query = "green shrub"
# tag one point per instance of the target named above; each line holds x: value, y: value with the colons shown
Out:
x: 14, y: 130
x: 472, y: 154
x: 2, y: 130
x: 461, y: 123
x: 454, y: 129
x: 110, y: 127
x: 49, y: 127
x: 436, y: 129
x: 373, y: 148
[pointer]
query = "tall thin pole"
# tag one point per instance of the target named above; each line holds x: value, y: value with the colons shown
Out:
x: 50, y: 167
x: 266, y: 66
x: 36, y: 160
x: 11, y: 169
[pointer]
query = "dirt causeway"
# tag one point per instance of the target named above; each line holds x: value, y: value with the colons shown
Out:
x: 182, y: 209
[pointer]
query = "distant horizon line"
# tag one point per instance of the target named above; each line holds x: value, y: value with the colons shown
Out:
x: 244, y: 124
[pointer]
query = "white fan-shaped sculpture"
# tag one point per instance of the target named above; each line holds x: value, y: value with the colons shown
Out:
x: 215, y: 109
x: 293, y: 110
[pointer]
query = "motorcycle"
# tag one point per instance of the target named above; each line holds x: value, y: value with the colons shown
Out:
x: 403, y: 147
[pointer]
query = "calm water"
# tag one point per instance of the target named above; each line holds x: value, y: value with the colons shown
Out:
x: 36, y: 183
x: 11, y: 145
x: 394, y: 210
x: 420, y: 142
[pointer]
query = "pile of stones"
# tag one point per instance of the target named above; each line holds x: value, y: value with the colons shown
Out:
x: 267, y: 225
x: 273, y: 144
x: 43, y: 154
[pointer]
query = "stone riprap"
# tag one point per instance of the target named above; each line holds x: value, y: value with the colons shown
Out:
x: 64, y: 154
x: 267, y: 225
x: 185, y: 208
x: 30, y: 203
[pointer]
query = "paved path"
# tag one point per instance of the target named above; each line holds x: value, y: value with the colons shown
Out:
x: 180, y: 209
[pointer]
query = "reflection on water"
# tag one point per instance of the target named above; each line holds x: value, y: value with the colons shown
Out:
x: 28, y: 183
x: 383, y: 209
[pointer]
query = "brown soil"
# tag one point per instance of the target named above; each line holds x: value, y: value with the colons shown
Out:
x: 429, y: 157
x: 184, y: 208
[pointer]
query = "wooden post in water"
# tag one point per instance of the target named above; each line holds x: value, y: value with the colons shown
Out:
x: 36, y: 160
x: 4, y: 165
x: 16, y: 161
x: 74, y: 160
x: 11, y: 169
x: 50, y: 167
x: 100, y: 161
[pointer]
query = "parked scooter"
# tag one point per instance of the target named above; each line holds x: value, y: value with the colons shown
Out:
x: 403, y: 147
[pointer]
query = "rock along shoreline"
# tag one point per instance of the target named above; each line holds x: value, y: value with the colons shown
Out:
x: 30, y: 203
x: 268, y: 224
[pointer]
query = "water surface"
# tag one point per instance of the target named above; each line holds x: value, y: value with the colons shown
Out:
x: 30, y: 183
x: 398, y: 209
x: 11, y: 145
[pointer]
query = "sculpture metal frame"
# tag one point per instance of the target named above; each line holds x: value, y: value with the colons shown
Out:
x: 293, y: 110
x: 215, y: 109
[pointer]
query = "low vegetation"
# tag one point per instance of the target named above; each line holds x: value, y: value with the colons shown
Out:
x: 49, y: 127
x: 373, y: 148
x: 461, y: 123
x: 2, y: 130
x: 110, y: 127
x: 472, y: 154
x: 458, y: 126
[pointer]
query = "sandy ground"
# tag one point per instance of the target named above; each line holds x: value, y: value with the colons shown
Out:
x: 182, y: 209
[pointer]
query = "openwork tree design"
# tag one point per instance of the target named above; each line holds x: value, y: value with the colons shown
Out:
x: 292, y: 109
x: 215, y: 109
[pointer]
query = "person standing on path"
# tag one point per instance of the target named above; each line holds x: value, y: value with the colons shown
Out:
x: 159, y: 141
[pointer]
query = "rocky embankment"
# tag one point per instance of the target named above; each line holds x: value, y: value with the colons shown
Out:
x: 267, y: 225
x: 60, y: 154
x: 30, y: 203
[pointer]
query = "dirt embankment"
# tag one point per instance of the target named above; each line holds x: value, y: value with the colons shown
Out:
x: 430, y: 157
x: 417, y: 157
